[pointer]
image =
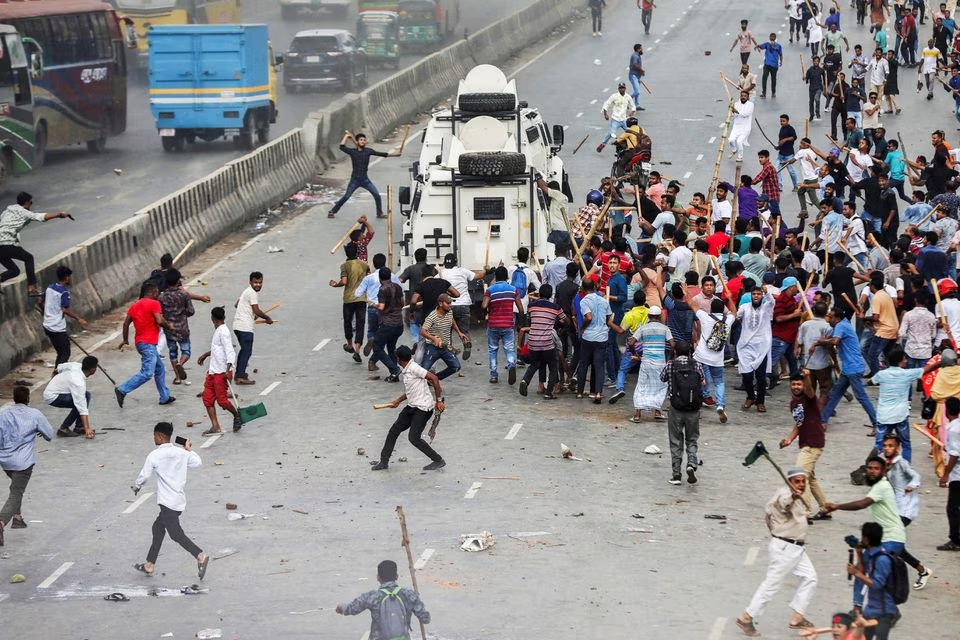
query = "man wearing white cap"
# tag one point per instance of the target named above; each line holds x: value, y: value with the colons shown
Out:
x: 786, y: 326
x: 787, y: 521
x: 753, y: 347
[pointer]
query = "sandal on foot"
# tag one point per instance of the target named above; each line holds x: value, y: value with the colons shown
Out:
x: 212, y: 432
x: 202, y: 566
x: 747, y: 628
x: 803, y: 624
x: 142, y: 568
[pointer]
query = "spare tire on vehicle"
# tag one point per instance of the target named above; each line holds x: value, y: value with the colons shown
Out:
x: 492, y: 163
x: 487, y: 102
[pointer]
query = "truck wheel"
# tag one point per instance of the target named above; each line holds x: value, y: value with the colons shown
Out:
x: 172, y: 143
x: 98, y: 144
x: 487, y: 102
x: 493, y: 163
x: 263, y: 133
x: 246, y: 137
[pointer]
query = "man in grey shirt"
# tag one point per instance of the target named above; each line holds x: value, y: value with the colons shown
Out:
x: 817, y: 359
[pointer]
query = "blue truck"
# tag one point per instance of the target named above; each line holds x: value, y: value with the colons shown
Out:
x: 211, y: 82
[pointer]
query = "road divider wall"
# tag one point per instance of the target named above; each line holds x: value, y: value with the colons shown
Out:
x: 109, y: 268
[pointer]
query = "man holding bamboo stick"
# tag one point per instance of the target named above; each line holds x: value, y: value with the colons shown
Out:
x: 390, y: 605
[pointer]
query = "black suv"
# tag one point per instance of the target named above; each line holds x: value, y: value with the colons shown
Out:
x: 323, y: 57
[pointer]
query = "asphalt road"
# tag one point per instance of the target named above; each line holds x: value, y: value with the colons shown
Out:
x: 86, y: 185
x: 570, y: 559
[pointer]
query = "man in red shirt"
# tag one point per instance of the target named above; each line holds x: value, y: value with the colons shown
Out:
x: 770, y: 183
x: 718, y: 239
x: 147, y: 321
x: 786, y: 325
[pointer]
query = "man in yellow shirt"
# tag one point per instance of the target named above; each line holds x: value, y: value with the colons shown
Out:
x: 884, y: 320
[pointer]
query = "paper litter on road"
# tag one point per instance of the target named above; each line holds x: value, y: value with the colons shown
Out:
x: 477, y: 541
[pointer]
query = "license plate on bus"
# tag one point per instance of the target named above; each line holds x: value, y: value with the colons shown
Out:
x: 167, y: 133
x: 313, y: 59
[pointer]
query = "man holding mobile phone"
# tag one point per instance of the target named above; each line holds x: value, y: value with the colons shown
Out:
x: 170, y: 464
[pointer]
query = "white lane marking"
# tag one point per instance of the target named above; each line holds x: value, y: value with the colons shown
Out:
x: 699, y: 157
x: 605, y: 90
x: 579, y: 115
x: 665, y: 33
x: 322, y: 344
x: 751, y: 556
x: 270, y: 387
x: 514, y: 430
x: 657, y: 41
x: 62, y: 569
x: 617, y: 79
x: 472, y: 491
x: 717, y: 631
x: 565, y: 127
x: 687, y: 174
x: 210, y: 440
x: 423, y: 559
x: 712, y: 140
x: 541, y: 54
x: 4, y: 596
x: 594, y: 101
x: 139, y: 501
x: 110, y: 338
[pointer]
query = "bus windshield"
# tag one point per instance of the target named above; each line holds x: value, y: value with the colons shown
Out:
x: 417, y: 13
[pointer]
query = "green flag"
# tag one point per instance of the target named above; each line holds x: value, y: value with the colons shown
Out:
x: 758, y: 450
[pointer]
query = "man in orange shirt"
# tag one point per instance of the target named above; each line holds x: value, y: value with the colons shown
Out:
x: 147, y: 320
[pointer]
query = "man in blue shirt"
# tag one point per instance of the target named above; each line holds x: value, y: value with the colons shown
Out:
x: 636, y: 73
x: 19, y: 427
x: 898, y: 167
x: 953, y: 86
x: 931, y: 261
x: 597, y: 317
x: 873, y: 568
x: 772, y: 59
x: 852, y: 366
x: 617, y: 285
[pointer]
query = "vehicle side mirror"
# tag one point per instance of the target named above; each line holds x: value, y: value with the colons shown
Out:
x: 277, y: 61
x: 557, y: 135
x: 403, y: 195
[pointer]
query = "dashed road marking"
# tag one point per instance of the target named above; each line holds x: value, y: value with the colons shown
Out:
x: 712, y: 140
x: 687, y: 174
x: 270, y: 387
x: 514, y: 430
x: 594, y: 101
x: 751, y: 556
x: 657, y: 41
x: 423, y: 559
x: 4, y: 596
x: 699, y: 157
x: 139, y: 501
x: 322, y: 344
x: 605, y: 90
x: 541, y: 54
x: 210, y: 440
x: 717, y: 631
x: 110, y: 338
x: 579, y: 115
x: 62, y: 569
x: 472, y: 491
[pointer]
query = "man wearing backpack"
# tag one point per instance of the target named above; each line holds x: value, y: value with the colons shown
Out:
x: 882, y: 501
x: 685, y: 383
x: 521, y: 276
x: 876, y: 568
x: 390, y: 606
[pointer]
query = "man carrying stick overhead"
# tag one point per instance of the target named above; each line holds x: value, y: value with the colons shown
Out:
x: 390, y: 605
x: 360, y: 157
x: 786, y: 518
x: 419, y: 410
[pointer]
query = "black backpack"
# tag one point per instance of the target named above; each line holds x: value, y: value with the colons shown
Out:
x: 686, y: 393
x: 898, y: 585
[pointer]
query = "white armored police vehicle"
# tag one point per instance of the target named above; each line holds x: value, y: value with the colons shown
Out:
x: 474, y: 189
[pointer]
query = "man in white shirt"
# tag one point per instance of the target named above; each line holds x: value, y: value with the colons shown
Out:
x: 680, y: 258
x: 215, y: 383
x: 460, y: 279
x: 753, y: 348
x: 742, y: 126
x: 616, y: 110
x: 420, y: 407
x: 68, y: 390
x: 170, y: 464
x: 809, y: 176
x: 854, y: 237
x: 930, y: 56
x: 877, y: 72
x: 244, y: 322
x: 720, y: 207
x: 56, y: 308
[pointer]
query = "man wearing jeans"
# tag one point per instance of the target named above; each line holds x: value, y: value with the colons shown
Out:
x: 499, y: 300
x: 244, y: 321
x: 360, y: 160
x: 19, y: 427
x: 616, y: 110
x: 709, y: 353
x: 437, y: 330
x: 883, y: 322
x: 68, y: 390
x: 852, y: 366
x: 786, y: 326
x: 892, y: 412
x: 390, y: 327
x: 147, y: 319
x: 636, y: 73
x: 785, y: 149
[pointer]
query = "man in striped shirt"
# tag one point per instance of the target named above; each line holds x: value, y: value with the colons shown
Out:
x: 544, y: 316
x: 499, y: 300
x: 438, y: 330
x: 770, y: 183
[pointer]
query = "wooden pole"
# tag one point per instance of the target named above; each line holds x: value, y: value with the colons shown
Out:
x: 176, y: 258
x: 928, y: 216
x: 723, y: 282
x: 941, y: 313
x: 853, y: 305
x: 404, y: 141
x: 856, y: 262
x: 826, y: 250
x: 345, y: 237
x: 803, y: 70
x: 390, y: 221
x: 581, y: 144
x: 806, y: 127
x: 644, y: 84
x: 486, y: 257
x: 383, y: 405
x: 903, y: 150
x: 405, y: 541
x: 597, y: 223
x: 723, y: 142
x: 735, y: 206
x: 274, y: 306
x: 932, y: 438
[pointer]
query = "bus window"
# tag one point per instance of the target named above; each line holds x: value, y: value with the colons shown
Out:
x: 13, y: 70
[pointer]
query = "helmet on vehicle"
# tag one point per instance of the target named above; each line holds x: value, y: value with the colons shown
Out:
x: 632, y: 122
x: 595, y: 197
x: 946, y: 285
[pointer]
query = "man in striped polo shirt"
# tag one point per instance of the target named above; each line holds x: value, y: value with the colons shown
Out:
x: 438, y: 330
x: 544, y: 316
x: 499, y: 300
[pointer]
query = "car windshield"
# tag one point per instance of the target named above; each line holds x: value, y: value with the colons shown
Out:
x: 314, y: 44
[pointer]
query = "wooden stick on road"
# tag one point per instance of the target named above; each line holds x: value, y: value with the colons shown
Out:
x: 346, y: 236
x: 187, y: 246
x: 405, y: 541
x: 585, y: 138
